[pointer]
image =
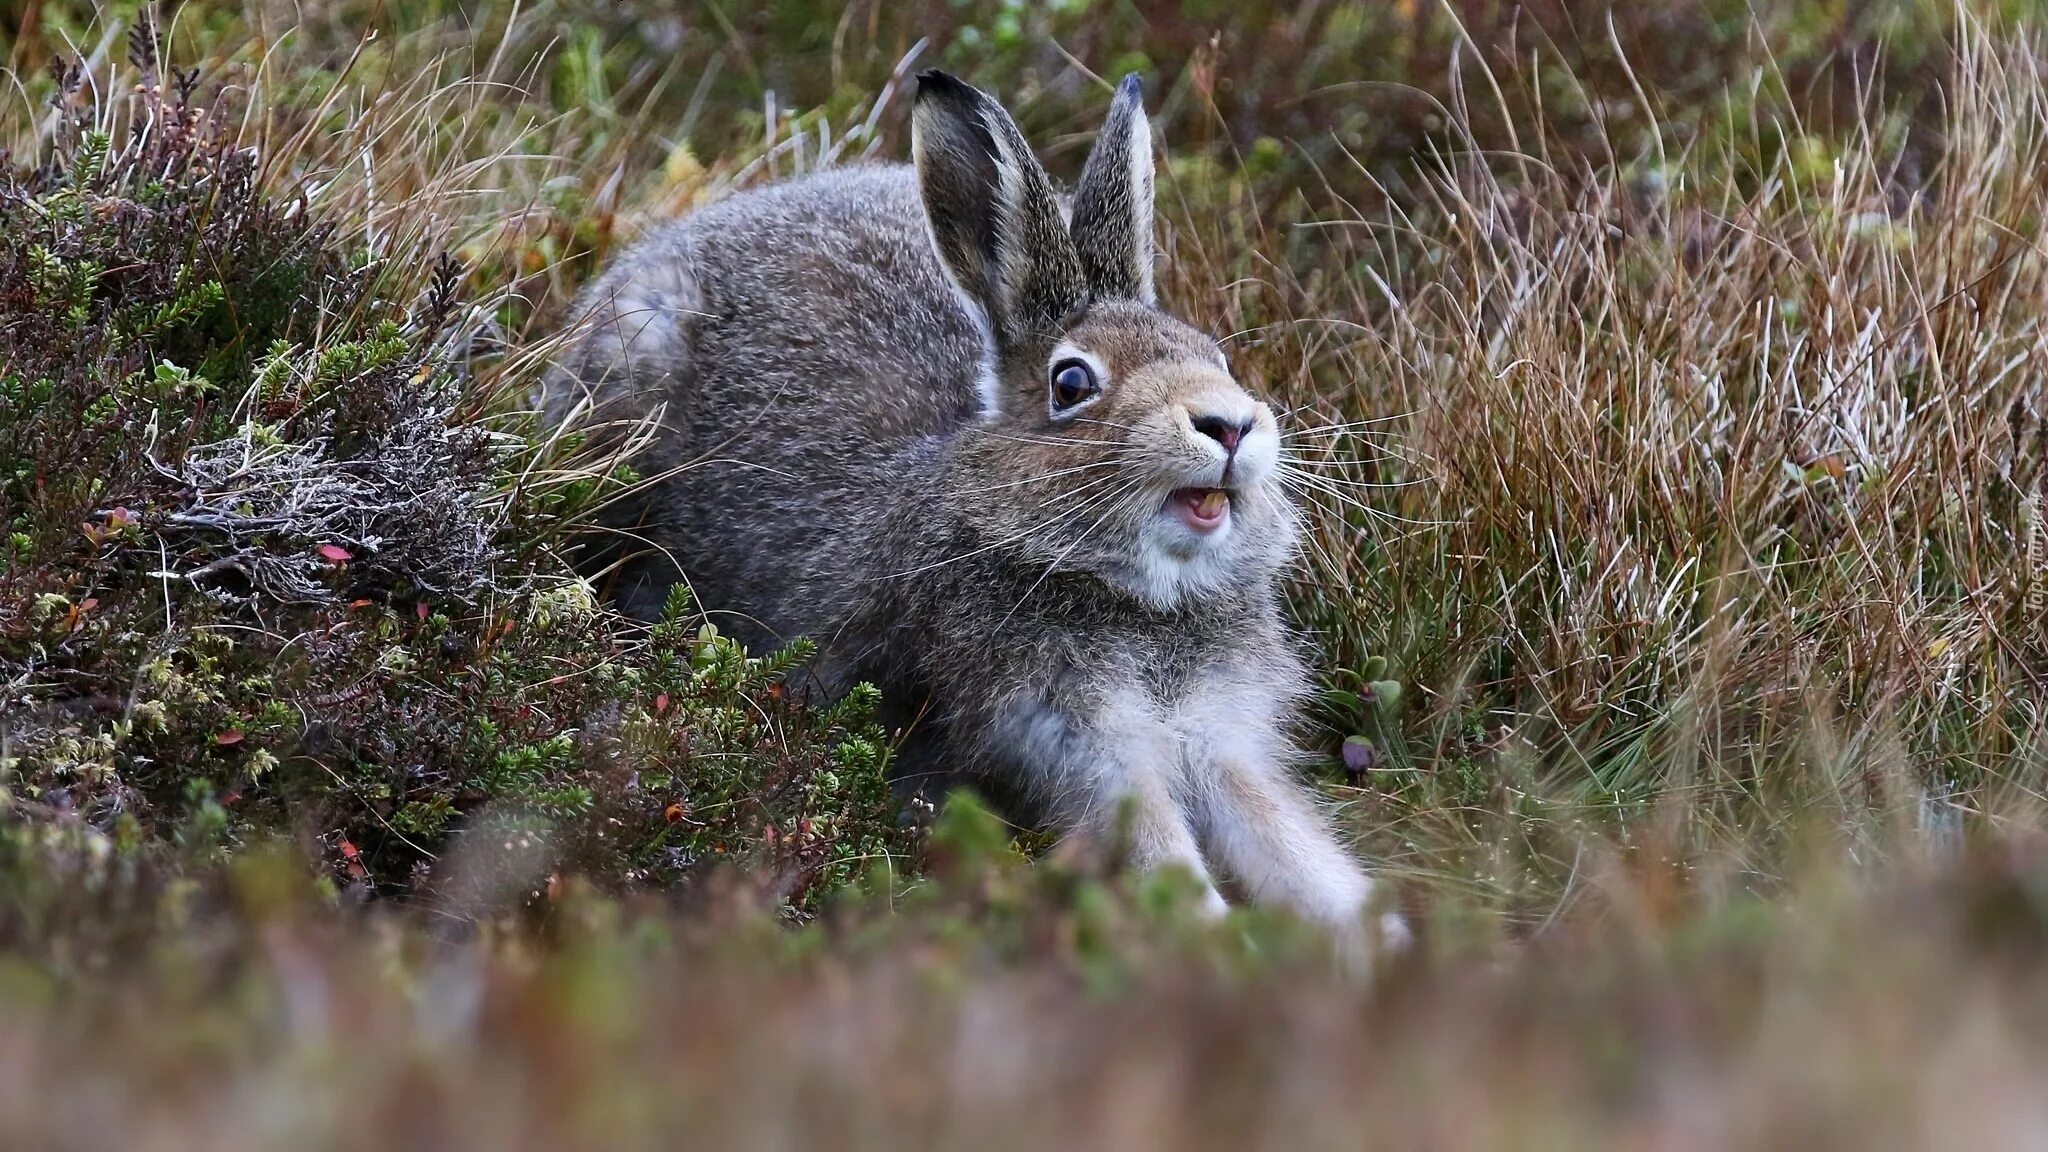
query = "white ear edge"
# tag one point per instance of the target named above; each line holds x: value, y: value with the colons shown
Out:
x: 1141, y: 201
x: 988, y: 386
x: 1015, y: 262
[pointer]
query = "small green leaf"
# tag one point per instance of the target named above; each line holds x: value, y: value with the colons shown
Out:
x: 1342, y: 700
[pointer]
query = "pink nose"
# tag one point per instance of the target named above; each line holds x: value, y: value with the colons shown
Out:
x: 1222, y: 431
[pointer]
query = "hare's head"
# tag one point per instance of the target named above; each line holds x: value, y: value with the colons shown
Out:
x: 1113, y: 437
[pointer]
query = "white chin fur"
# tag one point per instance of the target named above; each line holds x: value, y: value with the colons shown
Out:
x: 1173, y: 561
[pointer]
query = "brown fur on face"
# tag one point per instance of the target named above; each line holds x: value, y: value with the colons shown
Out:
x: 1091, y: 486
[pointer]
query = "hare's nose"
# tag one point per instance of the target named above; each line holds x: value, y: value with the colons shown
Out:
x: 1223, y: 431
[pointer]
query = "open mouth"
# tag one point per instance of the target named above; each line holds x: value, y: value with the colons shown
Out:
x: 1202, y: 509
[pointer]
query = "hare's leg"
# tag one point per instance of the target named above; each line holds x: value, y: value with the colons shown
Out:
x: 1135, y: 808
x: 1112, y: 782
x: 1264, y: 832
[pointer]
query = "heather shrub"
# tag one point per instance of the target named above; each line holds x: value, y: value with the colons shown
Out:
x: 273, y: 563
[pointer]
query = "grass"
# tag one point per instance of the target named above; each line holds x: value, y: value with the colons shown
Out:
x: 1672, y: 396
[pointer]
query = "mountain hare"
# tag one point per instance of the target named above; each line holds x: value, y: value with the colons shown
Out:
x: 932, y: 418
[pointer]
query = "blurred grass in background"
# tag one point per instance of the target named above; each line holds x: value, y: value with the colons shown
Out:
x: 1683, y: 605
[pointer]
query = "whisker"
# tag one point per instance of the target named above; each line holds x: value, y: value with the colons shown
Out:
x: 1103, y: 423
x: 1305, y: 483
x: 1313, y: 539
x: 1022, y: 535
x: 1054, y: 475
x: 1309, y: 482
x: 1346, y: 425
x: 1069, y: 496
x: 1349, y: 483
x: 1332, y: 461
x: 1314, y: 437
x: 1326, y: 456
x: 1050, y: 568
x: 1044, y: 441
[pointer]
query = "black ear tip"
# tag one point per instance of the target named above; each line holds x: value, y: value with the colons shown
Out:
x: 934, y: 82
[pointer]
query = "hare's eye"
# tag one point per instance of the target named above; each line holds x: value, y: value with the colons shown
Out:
x: 1073, y: 384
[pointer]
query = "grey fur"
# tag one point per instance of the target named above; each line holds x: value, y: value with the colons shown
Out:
x: 1112, y: 218
x: 993, y: 215
x: 1015, y: 580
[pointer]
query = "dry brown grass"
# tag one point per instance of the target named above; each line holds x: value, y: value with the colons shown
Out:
x: 1718, y: 477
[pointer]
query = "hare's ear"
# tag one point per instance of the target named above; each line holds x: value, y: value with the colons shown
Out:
x: 1113, y: 205
x: 992, y: 211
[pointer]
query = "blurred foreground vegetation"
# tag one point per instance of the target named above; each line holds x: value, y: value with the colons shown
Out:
x: 1679, y: 579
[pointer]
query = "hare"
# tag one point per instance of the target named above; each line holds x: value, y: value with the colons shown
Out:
x: 932, y: 417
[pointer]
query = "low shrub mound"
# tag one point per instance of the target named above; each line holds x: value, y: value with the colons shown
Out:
x: 268, y: 567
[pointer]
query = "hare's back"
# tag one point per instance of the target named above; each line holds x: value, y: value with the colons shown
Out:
x: 800, y: 343
x: 822, y: 316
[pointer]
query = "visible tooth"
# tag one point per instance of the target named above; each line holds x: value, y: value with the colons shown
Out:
x: 1212, y: 504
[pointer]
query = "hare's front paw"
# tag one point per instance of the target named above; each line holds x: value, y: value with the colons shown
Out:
x: 1368, y: 939
x: 1395, y: 935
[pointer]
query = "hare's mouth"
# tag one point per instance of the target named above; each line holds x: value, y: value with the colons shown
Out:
x: 1203, y: 510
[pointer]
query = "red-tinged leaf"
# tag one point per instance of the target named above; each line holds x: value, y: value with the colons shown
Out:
x: 228, y: 738
x: 360, y: 603
x: 674, y: 813
x: 354, y: 859
x: 421, y: 610
x: 75, y: 618
x: 661, y: 704
x: 335, y: 553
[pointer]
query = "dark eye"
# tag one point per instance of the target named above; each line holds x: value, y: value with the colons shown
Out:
x: 1073, y: 383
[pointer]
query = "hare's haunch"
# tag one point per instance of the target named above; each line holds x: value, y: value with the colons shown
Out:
x: 932, y: 418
